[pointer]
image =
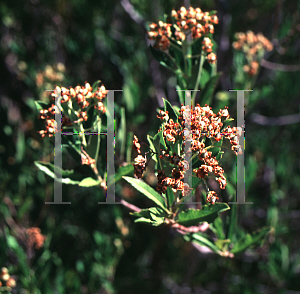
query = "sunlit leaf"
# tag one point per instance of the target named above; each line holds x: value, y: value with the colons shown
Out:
x: 49, y: 169
x: 89, y: 182
x: 208, y: 213
x: 148, y: 192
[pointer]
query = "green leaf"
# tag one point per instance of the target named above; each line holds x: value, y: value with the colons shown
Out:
x: 72, y: 144
x: 123, y: 171
x: 40, y: 105
x: 208, y: 213
x: 203, y: 240
x: 49, y: 169
x: 153, y: 215
x: 213, y: 12
x: 121, y: 134
x: 147, y: 191
x: 163, y: 58
x: 157, y: 215
x: 156, y: 144
x: 196, y: 182
x: 232, y: 224
x: 153, y: 147
x: 249, y: 240
x: 20, y: 147
x: 207, y: 93
x: 179, y: 91
x: 221, y: 243
x: 218, y: 225
x: 159, y: 140
x: 94, y: 142
x: 205, y: 77
x: 142, y: 213
x: 95, y: 86
x: 170, y: 196
x: 89, y: 182
x: 143, y: 220
x: 215, y: 151
x: 172, y: 113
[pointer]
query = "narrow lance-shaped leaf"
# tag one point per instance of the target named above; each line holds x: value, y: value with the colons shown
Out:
x: 218, y: 225
x: 170, y: 196
x: 208, y: 213
x: 95, y: 86
x: 250, y: 240
x: 153, y: 215
x: 40, y: 105
x: 202, y: 240
x: 148, y: 192
x: 89, y: 182
x: 152, y: 147
x: 172, y: 113
x: 232, y: 224
x: 122, y: 171
x: 49, y: 169
x: 207, y: 94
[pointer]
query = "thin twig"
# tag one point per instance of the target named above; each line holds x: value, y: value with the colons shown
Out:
x: 275, y: 121
x: 278, y: 66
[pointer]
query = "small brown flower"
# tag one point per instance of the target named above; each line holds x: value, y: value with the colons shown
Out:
x: 35, y: 238
x: 139, y: 166
x: 211, y: 58
x: 136, y: 144
x: 211, y: 197
x: 11, y: 283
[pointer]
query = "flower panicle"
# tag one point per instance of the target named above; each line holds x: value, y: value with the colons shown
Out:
x: 203, y: 123
x: 83, y: 96
x: 253, y: 46
x: 181, y: 23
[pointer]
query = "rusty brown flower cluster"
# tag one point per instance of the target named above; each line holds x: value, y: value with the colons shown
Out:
x: 253, y: 46
x: 83, y: 96
x: 212, y: 197
x: 35, y: 238
x: 204, y: 123
x: 174, y: 181
x: 6, y: 279
x: 51, y: 74
x: 192, y: 21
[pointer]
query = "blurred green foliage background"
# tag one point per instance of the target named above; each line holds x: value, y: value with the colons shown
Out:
x: 92, y: 248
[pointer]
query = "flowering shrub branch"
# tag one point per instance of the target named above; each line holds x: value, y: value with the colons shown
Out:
x: 182, y: 43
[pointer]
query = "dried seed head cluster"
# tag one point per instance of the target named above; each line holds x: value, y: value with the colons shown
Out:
x: 47, y: 78
x: 136, y: 144
x: 6, y: 279
x: 139, y: 166
x: 180, y: 24
x: 211, y: 197
x: 51, y: 74
x: 174, y: 181
x: 35, y: 238
x: 253, y: 46
x: 204, y: 123
x: 78, y: 98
